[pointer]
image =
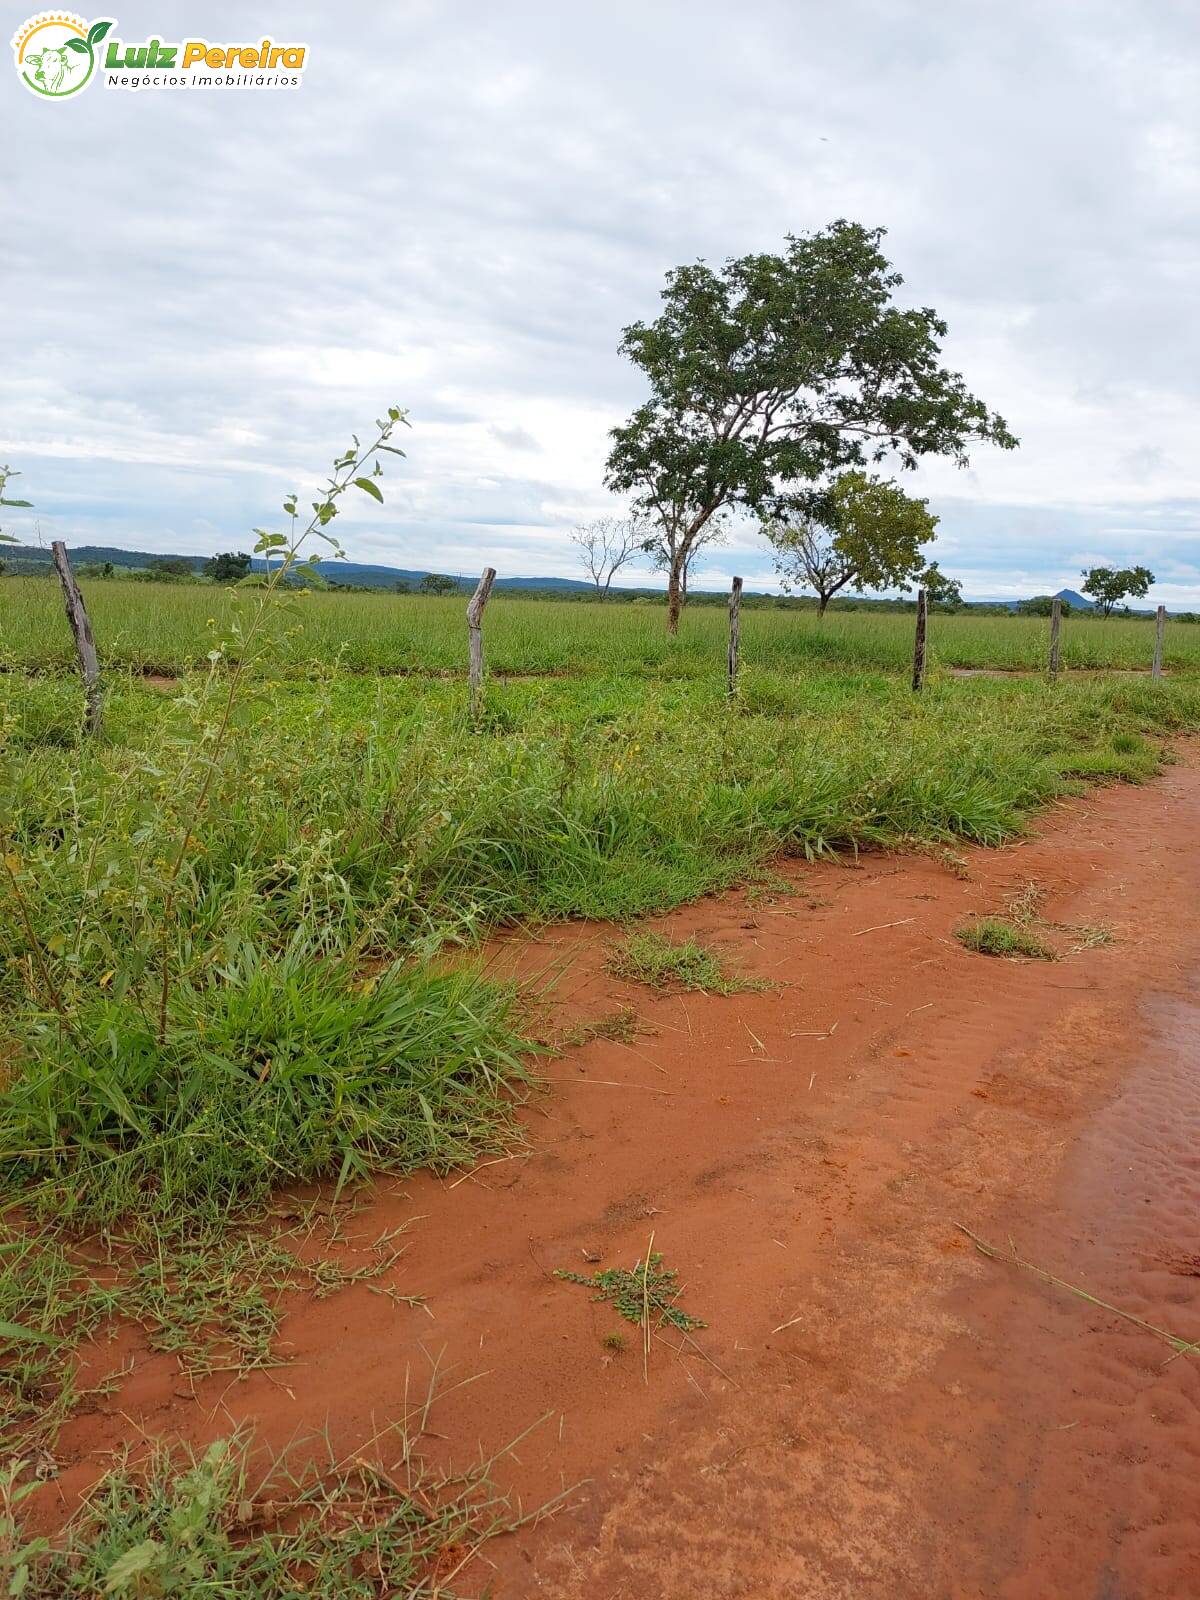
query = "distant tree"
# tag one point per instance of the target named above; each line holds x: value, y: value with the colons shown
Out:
x: 940, y: 590
x: 171, y: 568
x: 435, y: 583
x: 861, y: 532
x: 227, y: 567
x: 1042, y: 605
x: 658, y: 550
x: 775, y: 372
x: 402, y: 586
x: 605, y: 546
x: 1108, y: 586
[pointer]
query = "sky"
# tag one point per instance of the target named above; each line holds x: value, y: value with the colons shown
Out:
x: 463, y: 204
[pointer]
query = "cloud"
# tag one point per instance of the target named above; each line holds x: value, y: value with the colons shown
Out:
x: 460, y: 219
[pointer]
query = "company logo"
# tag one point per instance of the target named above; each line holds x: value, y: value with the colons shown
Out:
x: 55, y: 53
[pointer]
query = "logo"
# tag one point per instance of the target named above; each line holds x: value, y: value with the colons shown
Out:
x: 56, y: 53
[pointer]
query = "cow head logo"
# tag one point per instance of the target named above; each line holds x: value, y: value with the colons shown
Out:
x: 55, y: 53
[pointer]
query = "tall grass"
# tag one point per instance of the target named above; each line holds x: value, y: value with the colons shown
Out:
x: 166, y: 628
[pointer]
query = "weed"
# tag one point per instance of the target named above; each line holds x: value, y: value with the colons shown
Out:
x: 622, y: 1027
x: 647, y: 1287
x: 993, y: 936
x: 613, y: 1341
x: 651, y: 959
x: 379, y: 1521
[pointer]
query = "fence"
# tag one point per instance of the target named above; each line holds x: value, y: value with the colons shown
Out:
x: 89, y: 665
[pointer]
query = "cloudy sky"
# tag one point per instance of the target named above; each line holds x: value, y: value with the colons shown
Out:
x: 464, y: 203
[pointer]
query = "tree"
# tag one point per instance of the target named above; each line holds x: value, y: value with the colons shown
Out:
x: 1110, y: 585
x: 657, y: 548
x: 605, y: 546
x: 171, y: 568
x: 862, y: 531
x: 434, y: 583
x: 940, y: 590
x: 227, y: 567
x: 402, y: 586
x: 778, y: 371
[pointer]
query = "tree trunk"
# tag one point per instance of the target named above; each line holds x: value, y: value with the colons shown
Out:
x: 674, y: 597
x: 822, y: 602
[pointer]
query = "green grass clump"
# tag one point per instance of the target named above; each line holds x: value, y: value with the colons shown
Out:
x: 654, y: 960
x: 995, y: 936
x: 647, y: 1287
x: 275, y: 1068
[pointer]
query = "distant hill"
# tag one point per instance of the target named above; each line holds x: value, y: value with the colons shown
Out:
x: 367, y: 574
x: 1077, y: 601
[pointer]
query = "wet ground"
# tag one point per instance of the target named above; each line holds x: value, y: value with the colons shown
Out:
x: 876, y: 1410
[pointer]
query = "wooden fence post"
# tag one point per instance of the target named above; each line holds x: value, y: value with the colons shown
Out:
x: 475, y: 636
x: 85, y: 643
x: 919, y: 644
x: 735, y: 620
x: 1055, y: 633
x: 1160, y: 622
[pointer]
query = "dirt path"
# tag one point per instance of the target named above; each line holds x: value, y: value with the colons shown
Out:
x: 878, y: 1411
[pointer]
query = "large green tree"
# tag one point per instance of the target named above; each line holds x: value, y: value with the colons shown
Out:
x: 860, y: 532
x: 1108, y: 586
x: 775, y: 372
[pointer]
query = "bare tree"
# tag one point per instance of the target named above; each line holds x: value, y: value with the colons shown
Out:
x: 659, y: 547
x: 605, y: 546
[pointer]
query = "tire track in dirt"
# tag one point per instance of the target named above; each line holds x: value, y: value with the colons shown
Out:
x: 892, y: 1414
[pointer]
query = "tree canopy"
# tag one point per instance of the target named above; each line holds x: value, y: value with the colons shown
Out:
x: 774, y: 372
x: 438, y: 583
x: 861, y: 531
x: 1108, y: 586
x: 228, y: 567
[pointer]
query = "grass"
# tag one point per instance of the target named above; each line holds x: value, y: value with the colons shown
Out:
x: 293, y: 1004
x: 997, y: 936
x: 651, y: 959
x: 378, y: 1521
x: 170, y: 628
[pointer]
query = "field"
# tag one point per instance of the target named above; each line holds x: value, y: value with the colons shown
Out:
x: 238, y: 931
x: 163, y: 628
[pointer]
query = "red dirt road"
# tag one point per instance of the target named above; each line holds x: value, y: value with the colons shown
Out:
x: 878, y: 1411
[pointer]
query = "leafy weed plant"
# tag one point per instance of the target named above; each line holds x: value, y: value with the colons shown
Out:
x: 648, y: 1286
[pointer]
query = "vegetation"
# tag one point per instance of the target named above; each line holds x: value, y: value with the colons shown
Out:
x: 1108, y: 586
x: 651, y: 959
x: 224, y: 928
x: 773, y: 375
x: 996, y: 936
x: 378, y: 1521
x: 172, y: 629
x: 228, y: 567
x: 859, y: 532
x: 646, y: 1293
x: 605, y: 545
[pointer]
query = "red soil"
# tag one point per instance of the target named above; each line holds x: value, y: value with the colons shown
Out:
x: 875, y: 1410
